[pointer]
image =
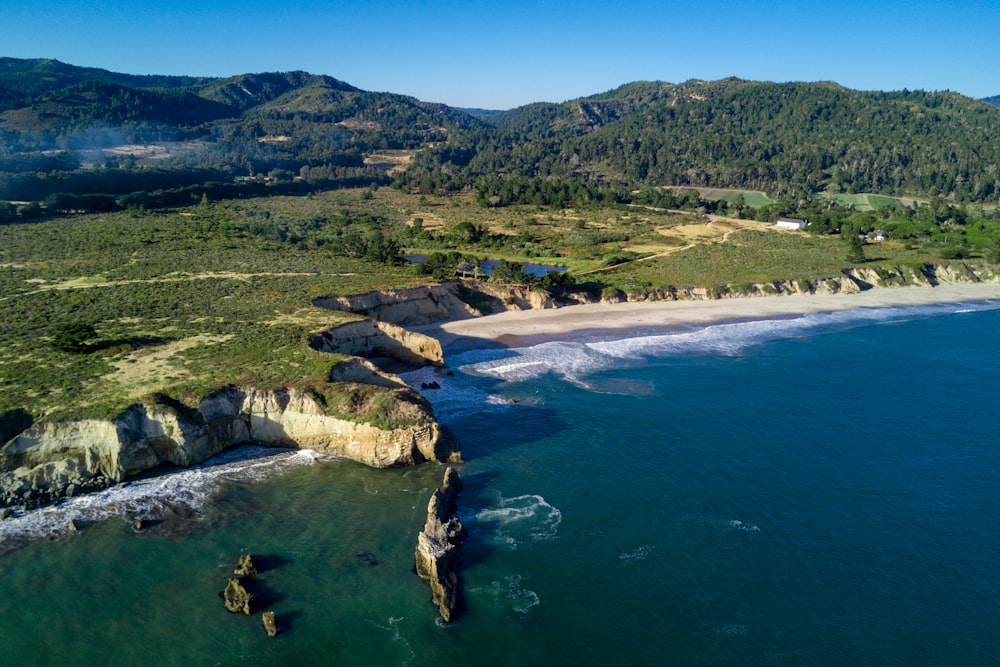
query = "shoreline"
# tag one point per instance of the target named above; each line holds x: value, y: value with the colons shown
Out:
x: 521, y: 328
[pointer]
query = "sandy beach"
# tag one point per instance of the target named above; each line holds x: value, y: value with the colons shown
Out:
x: 519, y: 328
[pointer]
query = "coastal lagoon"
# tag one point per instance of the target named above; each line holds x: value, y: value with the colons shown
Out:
x: 808, y: 490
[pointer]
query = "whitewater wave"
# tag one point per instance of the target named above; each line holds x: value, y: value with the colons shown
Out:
x: 522, y: 520
x: 576, y: 361
x: 183, y: 493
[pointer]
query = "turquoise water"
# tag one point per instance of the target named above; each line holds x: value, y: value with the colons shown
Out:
x: 817, y: 490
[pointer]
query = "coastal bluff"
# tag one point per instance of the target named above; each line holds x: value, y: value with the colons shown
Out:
x: 56, y: 459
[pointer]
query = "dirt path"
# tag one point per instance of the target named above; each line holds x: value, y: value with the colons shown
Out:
x: 87, y: 282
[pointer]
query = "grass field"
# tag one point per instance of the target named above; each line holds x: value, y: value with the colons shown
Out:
x: 753, y: 255
x: 867, y: 202
x: 750, y: 197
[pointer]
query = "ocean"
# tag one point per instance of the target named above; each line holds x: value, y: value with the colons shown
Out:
x: 810, y: 490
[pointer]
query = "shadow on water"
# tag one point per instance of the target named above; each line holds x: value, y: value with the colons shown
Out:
x: 285, y: 621
x: 269, y: 562
x: 264, y: 597
x: 476, y: 492
x: 517, y: 426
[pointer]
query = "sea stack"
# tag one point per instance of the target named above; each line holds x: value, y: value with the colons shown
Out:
x: 236, y: 598
x: 270, y: 623
x: 439, y: 546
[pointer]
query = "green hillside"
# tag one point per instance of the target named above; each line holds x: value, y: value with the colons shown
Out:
x: 748, y: 135
x: 62, y: 129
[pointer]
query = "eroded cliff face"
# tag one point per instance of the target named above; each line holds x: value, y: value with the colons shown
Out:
x: 419, y: 305
x: 51, y: 460
x: 376, y: 338
x: 448, y: 301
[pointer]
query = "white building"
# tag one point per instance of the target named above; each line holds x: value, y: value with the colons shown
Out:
x: 790, y: 223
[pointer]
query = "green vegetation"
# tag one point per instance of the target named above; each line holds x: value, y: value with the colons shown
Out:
x: 165, y: 236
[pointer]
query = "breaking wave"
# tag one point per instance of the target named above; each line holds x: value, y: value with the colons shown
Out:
x: 179, y: 494
x: 577, y: 360
x: 522, y: 519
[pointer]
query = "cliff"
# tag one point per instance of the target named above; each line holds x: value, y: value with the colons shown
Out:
x: 439, y: 546
x: 465, y: 299
x: 376, y: 338
x: 56, y: 459
x: 453, y: 300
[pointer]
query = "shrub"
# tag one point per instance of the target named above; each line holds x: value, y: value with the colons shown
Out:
x: 74, y: 337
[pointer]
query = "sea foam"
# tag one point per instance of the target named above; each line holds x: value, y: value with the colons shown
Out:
x: 522, y: 519
x: 179, y: 493
x: 575, y: 361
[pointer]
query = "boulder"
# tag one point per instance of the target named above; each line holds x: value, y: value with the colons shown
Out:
x: 439, y: 547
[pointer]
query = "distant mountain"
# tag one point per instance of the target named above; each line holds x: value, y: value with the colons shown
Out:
x: 994, y: 100
x: 731, y: 133
x: 22, y: 80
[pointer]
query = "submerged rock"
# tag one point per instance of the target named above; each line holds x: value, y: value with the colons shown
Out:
x: 270, y: 623
x: 236, y: 598
x: 439, y: 546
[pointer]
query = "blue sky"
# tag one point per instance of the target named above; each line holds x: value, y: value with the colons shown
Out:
x: 503, y: 54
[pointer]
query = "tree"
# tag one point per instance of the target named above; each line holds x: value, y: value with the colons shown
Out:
x: 74, y: 337
x: 855, y: 249
x: 509, y: 273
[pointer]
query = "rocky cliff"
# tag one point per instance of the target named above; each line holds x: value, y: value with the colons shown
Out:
x: 439, y: 546
x: 55, y: 459
x: 376, y: 338
x: 465, y: 299
x: 453, y: 300
x: 419, y: 305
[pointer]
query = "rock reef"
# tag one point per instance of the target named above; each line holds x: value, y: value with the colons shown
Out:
x: 439, y: 547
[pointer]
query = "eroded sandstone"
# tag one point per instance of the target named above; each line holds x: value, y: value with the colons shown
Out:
x: 439, y: 546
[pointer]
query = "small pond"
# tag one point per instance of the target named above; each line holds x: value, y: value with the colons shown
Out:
x: 536, y: 270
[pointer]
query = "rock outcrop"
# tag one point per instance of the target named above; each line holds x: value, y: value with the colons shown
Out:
x: 270, y: 623
x: 452, y: 300
x: 235, y: 598
x: 439, y: 546
x: 245, y: 566
x: 419, y: 305
x: 369, y: 338
x: 43, y: 461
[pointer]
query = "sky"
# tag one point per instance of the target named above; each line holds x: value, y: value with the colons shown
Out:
x: 499, y: 55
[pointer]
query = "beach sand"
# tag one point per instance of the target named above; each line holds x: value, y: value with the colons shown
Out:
x: 520, y: 328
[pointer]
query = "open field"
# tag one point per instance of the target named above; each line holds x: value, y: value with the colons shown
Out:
x: 752, y: 255
x: 730, y: 195
x: 867, y: 202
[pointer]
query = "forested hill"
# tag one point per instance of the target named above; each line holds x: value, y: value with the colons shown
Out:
x: 744, y: 134
x: 56, y: 118
x: 47, y: 99
x: 776, y: 137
